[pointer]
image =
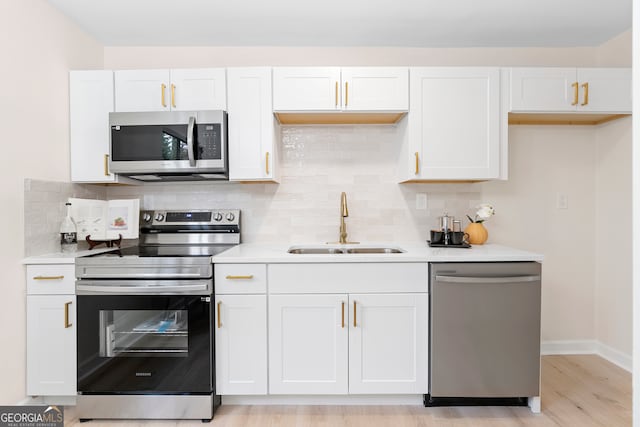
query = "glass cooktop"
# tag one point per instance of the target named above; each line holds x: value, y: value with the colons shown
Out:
x: 164, y: 251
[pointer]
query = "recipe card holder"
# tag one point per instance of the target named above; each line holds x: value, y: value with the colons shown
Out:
x: 109, y: 242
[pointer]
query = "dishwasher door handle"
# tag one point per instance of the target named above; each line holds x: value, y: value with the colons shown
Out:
x: 471, y: 279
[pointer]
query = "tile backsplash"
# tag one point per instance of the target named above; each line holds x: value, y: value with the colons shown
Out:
x: 316, y: 164
x: 44, y: 209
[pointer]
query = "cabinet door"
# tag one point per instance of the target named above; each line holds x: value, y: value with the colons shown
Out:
x: 241, y: 344
x: 375, y: 88
x: 605, y: 90
x: 454, y: 123
x: 306, y: 89
x: 198, y: 89
x: 543, y: 89
x: 308, y: 344
x: 388, y: 343
x: 251, y: 124
x: 90, y: 102
x: 142, y: 90
x: 51, y: 345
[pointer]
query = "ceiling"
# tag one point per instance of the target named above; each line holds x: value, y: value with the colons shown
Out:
x: 407, y: 23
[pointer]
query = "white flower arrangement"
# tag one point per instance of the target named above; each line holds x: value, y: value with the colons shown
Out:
x: 484, y: 212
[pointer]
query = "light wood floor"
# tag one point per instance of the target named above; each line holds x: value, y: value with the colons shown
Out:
x: 577, y: 391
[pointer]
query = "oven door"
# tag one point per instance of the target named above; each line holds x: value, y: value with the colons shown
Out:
x: 145, y: 344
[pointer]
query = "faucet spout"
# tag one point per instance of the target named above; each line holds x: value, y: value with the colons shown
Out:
x: 344, y: 212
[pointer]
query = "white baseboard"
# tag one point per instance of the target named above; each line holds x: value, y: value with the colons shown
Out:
x: 588, y: 347
x: 569, y: 347
x: 625, y: 361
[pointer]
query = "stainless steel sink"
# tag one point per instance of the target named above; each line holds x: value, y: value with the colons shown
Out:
x: 315, y: 250
x: 374, y: 251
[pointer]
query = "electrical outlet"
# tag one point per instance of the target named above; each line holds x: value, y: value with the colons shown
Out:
x: 421, y: 201
x: 562, y: 201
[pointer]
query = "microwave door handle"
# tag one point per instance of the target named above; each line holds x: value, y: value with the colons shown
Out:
x: 190, y: 138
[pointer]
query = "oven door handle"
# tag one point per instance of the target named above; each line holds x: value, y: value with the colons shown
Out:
x: 94, y: 288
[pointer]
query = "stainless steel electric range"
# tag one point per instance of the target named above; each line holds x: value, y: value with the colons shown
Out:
x: 145, y: 326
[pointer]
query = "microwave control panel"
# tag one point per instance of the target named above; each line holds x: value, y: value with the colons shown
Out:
x: 209, y: 141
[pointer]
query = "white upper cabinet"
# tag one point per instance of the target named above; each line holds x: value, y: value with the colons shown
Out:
x: 252, y: 131
x: 605, y: 90
x: 90, y: 102
x: 453, y: 128
x: 166, y: 90
x: 595, y: 90
x: 375, y: 88
x: 142, y: 90
x: 340, y: 89
x: 198, y: 89
x: 306, y: 89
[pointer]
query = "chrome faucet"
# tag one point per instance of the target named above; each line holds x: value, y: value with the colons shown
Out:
x: 344, y: 212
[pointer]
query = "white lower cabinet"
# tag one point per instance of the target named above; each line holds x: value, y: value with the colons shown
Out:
x: 388, y: 343
x: 322, y: 328
x: 308, y: 344
x: 51, y: 345
x: 348, y: 344
x: 241, y: 344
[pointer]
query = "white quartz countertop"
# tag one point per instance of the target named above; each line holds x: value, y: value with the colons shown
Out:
x: 277, y: 253
x: 62, y: 257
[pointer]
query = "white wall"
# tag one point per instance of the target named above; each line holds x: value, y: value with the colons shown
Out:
x: 39, y: 46
x: 613, y: 235
x: 545, y: 161
x: 185, y: 57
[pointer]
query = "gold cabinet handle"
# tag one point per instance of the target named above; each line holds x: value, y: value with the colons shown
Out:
x: 575, y: 93
x: 585, y: 86
x: 417, y: 163
x: 173, y: 95
x: 355, y: 323
x: 106, y: 165
x: 66, y: 315
x: 346, y: 93
x: 248, y: 277
x: 219, y: 319
x: 163, y: 87
x: 336, y: 94
x: 342, y: 314
x: 266, y: 162
x: 48, y: 278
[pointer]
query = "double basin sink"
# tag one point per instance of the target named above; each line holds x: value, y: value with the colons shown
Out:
x: 333, y: 250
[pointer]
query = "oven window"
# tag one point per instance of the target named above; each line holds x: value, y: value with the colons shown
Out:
x: 144, y: 333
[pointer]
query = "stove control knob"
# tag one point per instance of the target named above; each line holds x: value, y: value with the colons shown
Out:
x: 159, y: 217
x: 217, y: 217
x: 230, y: 216
x: 146, y: 217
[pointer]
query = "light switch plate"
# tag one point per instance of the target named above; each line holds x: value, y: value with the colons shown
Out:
x: 562, y: 201
x: 421, y: 201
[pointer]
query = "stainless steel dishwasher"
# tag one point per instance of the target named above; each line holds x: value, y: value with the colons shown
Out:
x: 484, y: 333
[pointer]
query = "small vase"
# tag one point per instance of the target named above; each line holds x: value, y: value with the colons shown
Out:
x: 477, y: 233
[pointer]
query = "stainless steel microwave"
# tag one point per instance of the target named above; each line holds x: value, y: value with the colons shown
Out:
x: 169, y: 145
